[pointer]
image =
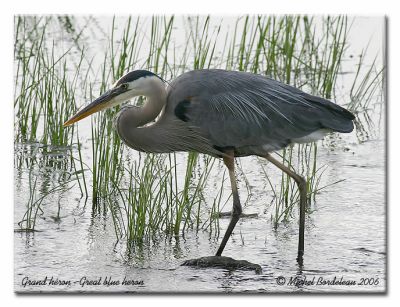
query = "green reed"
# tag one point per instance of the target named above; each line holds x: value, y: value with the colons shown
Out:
x: 46, y: 93
x: 153, y: 199
x: 365, y: 85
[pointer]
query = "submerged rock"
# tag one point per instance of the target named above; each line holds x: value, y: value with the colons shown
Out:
x: 223, y: 262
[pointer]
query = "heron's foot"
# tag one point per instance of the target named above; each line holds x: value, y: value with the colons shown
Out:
x: 243, y: 215
x: 223, y: 262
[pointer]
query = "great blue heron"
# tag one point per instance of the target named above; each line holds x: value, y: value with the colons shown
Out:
x: 225, y: 114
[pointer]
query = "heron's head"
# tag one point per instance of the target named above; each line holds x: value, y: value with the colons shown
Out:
x: 134, y: 83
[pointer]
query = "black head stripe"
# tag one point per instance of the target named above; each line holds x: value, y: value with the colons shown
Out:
x: 134, y: 75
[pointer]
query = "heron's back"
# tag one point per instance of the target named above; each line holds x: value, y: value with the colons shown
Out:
x: 244, y: 110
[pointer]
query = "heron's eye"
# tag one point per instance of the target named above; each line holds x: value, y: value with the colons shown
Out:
x: 125, y: 86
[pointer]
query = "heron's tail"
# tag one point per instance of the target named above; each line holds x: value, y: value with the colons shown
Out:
x: 334, y: 116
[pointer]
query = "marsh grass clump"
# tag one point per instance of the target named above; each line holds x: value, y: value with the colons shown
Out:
x: 46, y: 91
x: 155, y: 201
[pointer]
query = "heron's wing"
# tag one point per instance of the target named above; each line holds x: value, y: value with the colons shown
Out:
x: 243, y: 109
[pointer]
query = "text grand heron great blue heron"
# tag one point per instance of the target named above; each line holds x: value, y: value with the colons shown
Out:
x: 222, y: 113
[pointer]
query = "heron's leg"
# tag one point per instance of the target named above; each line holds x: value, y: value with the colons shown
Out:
x: 237, y: 208
x: 302, y: 184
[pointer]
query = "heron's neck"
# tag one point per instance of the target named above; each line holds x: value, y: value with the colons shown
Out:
x: 131, y: 120
x: 155, y: 102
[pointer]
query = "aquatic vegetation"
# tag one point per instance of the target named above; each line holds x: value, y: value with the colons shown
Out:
x: 46, y: 92
x: 154, y: 201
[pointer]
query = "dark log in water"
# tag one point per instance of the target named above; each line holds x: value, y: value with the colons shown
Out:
x: 223, y: 262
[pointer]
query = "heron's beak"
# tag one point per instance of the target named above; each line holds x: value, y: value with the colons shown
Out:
x: 101, y: 103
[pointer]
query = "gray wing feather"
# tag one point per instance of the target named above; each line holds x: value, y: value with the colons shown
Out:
x: 237, y: 109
